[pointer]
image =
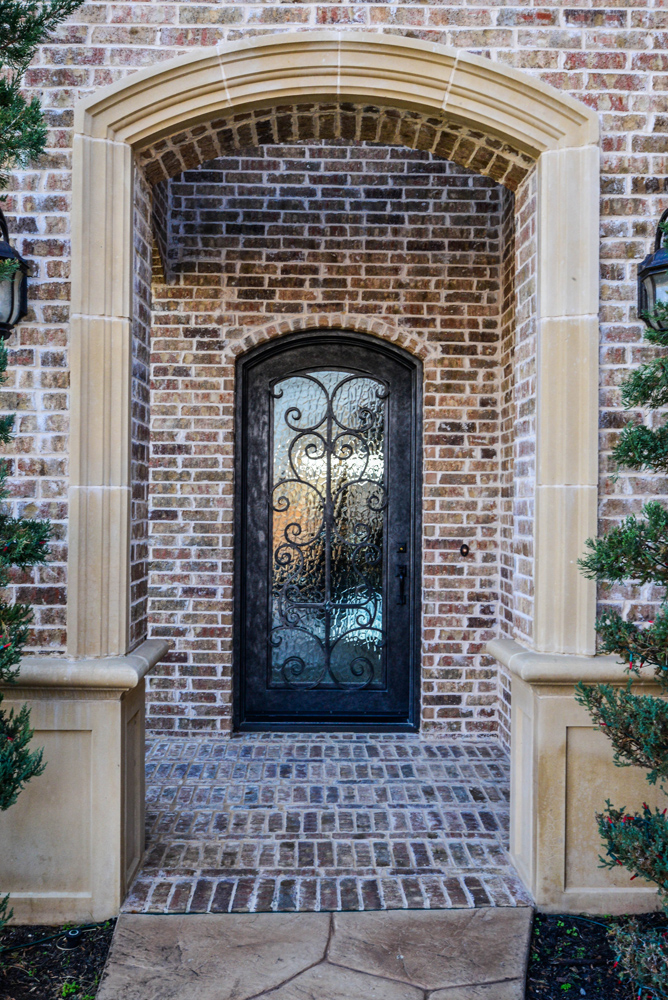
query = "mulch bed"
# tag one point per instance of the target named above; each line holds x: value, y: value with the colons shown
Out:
x: 50, y: 971
x: 571, y: 957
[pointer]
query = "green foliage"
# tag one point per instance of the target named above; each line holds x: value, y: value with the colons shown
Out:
x: 23, y: 544
x: 23, y: 25
x: 643, y: 956
x: 638, y: 841
x: 648, y: 385
x: 17, y: 763
x: 642, y: 449
x: 5, y: 913
x: 637, y: 726
x: 637, y: 643
x: 636, y: 550
x: 7, y: 269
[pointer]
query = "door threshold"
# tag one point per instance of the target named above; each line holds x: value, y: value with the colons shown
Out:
x: 326, y: 727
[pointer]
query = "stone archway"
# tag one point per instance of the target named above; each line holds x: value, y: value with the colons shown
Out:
x: 494, y: 120
x: 532, y: 119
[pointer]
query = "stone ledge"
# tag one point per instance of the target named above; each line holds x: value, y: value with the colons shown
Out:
x: 118, y: 672
x: 558, y: 668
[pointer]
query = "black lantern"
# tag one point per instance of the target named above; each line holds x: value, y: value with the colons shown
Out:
x: 13, y: 291
x: 653, y: 283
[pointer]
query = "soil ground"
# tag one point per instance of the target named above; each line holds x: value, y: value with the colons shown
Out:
x: 49, y: 971
x: 571, y: 957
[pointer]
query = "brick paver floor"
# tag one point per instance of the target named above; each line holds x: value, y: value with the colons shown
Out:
x: 325, y: 822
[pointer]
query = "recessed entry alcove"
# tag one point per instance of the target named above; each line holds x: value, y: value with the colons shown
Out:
x: 152, y: 131
x: 454, y: 234
x: 369, y: 251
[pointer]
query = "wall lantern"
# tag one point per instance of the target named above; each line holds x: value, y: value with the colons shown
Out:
x: 653, y: 282
x: 13, y: 291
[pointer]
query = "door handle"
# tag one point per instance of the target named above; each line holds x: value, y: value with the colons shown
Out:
x: 402, y: 573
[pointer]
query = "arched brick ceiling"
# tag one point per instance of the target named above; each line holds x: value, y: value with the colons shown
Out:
x: 481, y: 153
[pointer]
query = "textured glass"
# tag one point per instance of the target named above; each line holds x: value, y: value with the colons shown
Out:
x: 6, y: 301
x: 661, y: 285
x: 328, y: 510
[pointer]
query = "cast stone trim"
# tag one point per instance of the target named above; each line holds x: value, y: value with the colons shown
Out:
x: 113, y: 672
x: 377, y: 68
x: 531, y: 116
x: 556, y: 668
x: 561, y: 773
x: 75, y: 838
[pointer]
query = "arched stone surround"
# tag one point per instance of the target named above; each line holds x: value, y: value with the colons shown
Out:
x: 478, y: 102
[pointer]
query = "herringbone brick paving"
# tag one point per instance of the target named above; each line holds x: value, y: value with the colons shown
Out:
x: 325, y: 822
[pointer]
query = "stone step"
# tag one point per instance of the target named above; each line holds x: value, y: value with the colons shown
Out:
x: 399, y: 955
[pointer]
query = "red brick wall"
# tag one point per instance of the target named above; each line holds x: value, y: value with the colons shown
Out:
x: 525, y: 407
x: 36, y: 390
x: 508, y: 554
x: 140, y: 403
x: 612, y: 57
x: 328, y: 233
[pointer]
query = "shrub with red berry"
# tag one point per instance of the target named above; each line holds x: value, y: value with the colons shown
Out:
x: 637, y: 724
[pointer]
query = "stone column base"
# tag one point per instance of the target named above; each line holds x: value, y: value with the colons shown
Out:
x: 75, y: 837
x: 561, y: 775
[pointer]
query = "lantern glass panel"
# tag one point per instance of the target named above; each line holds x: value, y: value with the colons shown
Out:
x: 19, y: 278
x: 7, y: 300
x: 661, y: 287
x: 648, y: 285
x: 656, y: 298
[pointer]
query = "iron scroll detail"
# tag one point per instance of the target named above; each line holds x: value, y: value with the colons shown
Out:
x: 328, y: 506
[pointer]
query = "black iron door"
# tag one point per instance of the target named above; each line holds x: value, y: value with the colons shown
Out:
x: 327, y: 578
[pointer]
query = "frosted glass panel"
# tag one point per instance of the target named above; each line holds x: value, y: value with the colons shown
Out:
x: 328, y: 514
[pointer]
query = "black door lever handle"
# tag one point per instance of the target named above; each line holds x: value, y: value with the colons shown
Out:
x: 402, y: 573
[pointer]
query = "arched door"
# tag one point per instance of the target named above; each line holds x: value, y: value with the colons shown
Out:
x: 328, y: 542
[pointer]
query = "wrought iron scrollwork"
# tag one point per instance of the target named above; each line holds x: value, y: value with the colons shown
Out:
x: 328, y: 503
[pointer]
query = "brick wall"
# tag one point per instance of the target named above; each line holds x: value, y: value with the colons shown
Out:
x: 612, y: 57
x: 140, y: 402
x: 36, y: 390
x: 508, y: 543
x: 326, y: 233
x: 526, y: 261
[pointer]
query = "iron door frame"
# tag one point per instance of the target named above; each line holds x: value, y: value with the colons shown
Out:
x: 244, y: 365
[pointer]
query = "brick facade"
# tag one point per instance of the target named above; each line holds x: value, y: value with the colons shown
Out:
x: 215, y: 290
x: 329, y: 233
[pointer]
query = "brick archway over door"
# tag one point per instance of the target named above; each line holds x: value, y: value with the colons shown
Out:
x: 534, y: 121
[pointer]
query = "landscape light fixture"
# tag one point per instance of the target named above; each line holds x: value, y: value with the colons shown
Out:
x: 14, y: 290
x: 653, y: 281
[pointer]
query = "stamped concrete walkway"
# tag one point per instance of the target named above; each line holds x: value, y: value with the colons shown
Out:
x: 325, y: 822
x: 417, y: 955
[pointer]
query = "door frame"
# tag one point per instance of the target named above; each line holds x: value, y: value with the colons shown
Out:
x: 243, y: 365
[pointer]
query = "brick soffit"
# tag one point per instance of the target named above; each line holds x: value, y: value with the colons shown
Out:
x: 483, y: 154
